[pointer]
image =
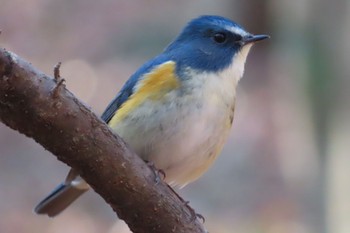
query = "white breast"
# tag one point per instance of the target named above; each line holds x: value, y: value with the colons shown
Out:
x: 184, y: 133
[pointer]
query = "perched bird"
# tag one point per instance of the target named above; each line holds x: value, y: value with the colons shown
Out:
x: 176, y: 111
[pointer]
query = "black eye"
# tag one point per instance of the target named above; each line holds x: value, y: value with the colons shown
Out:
x: 219, y: 38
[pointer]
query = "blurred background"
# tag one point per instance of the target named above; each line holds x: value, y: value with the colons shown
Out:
x: 286, y: 165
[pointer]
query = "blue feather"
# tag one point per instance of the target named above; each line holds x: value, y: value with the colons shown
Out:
x: 194, y: 48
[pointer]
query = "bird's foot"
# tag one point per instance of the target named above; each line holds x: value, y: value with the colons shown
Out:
x: 157, y: 172
x: 194, y: 214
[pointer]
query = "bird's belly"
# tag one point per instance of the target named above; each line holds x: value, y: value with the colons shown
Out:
x: 182, y: 140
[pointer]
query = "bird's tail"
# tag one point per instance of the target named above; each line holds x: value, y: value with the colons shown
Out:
x: 63, y: 195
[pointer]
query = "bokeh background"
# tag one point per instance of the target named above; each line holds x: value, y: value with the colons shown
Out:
x: 286, y: 165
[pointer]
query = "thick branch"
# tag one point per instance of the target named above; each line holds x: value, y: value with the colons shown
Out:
x: 33, y: 104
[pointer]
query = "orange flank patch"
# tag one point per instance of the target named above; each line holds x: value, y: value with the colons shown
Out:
x: 152, y: 87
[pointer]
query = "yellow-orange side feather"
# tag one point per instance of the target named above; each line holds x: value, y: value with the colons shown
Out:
x: 153, y: 86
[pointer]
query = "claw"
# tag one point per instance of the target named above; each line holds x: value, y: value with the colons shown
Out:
x: 194, y: 215
x: 156, y: 172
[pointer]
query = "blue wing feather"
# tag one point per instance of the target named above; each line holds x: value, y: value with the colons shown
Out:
x: 128, y: 88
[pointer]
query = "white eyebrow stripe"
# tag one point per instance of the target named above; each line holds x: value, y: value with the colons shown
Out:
x: 237, y: 30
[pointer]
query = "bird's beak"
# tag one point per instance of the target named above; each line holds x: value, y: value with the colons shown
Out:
x: 254, y: 38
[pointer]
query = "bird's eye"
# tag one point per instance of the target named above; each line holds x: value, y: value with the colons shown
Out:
x: 219, y: 38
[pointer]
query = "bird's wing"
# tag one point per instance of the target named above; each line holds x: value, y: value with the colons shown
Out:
x: 151, y: 79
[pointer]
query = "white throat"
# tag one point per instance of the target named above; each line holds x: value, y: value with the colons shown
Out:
x: 223, y: 83
x: 236, y: 69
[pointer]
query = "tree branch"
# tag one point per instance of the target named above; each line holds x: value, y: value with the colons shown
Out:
x: 33, y: 104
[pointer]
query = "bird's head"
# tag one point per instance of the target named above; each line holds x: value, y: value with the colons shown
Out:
x: 211, y: 44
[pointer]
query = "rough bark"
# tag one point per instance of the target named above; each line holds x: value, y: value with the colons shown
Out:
x: 42, y: 108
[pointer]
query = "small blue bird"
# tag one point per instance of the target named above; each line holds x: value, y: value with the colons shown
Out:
x: 176, y: 111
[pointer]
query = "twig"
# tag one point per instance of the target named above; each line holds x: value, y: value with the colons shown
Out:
x: 80, y: 139
x: 59, y: 80
x: 56, y: 71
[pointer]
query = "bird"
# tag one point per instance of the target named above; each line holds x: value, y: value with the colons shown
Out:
x: 176, y: 110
